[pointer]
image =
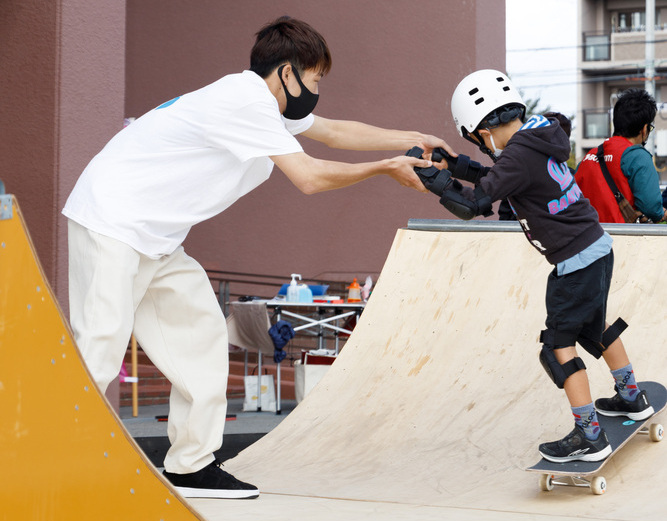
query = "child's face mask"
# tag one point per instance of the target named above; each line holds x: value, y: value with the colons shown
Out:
x: 496, y: 151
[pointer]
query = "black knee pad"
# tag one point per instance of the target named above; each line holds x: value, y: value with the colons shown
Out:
x: 557, y: 372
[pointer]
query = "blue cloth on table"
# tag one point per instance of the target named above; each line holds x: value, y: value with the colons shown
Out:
x: 281, y: 333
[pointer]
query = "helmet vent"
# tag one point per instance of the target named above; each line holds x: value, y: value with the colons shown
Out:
x: 506, y: 88
x: 473, y: 91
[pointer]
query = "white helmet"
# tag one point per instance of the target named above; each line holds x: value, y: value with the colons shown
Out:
x: 478, y: 95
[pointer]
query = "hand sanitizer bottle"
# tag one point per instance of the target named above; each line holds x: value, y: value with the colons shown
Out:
x: 293, y: 289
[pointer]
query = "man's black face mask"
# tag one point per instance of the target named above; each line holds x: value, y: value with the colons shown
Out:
x: 298, y: 107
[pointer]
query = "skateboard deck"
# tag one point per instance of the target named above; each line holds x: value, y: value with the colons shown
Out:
x: 619, y: 430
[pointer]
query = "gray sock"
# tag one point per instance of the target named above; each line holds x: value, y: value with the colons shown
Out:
x: 626, y: 383
x: 587, y: 418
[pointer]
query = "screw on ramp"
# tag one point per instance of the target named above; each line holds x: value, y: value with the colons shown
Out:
x: 438, y: 402
x: 63, y: 452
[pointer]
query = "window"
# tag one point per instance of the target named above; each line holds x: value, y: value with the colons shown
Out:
x: 597, y: 124
x: 629, y: 21
x: 596, y: 47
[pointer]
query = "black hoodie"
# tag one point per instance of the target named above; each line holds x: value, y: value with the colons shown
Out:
x: 533, y: 175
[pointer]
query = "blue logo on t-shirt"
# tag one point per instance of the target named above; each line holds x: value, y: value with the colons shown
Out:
x: 167, y: 103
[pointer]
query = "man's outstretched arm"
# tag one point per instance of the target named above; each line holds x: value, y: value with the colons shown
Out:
x: 312, y: 175
x: 353, y: 135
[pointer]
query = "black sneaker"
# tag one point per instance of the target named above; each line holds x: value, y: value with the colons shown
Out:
x: 638, y: 410
x: 576, y: 447
x: 211, y: 482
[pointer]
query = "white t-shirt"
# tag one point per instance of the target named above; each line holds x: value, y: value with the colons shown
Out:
x: 182, y: 163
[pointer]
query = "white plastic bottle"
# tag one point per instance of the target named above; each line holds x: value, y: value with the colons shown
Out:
x: 293, y: 289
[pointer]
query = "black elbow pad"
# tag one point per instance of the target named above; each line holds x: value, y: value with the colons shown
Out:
x: 462, y: 207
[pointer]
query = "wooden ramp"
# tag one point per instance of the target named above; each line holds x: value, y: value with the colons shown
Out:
x: 438, y: 402
x: 64, y: 454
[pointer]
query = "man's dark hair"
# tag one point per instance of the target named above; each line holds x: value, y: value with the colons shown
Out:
x: 634, y: 109
x: 289, y: 40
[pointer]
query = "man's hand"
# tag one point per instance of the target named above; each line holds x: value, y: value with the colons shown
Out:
x: 401, y: 168
x: 429, y: 143
x: 434, y: 178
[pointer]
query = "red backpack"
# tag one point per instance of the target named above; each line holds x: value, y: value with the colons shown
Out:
x: 595, y: 188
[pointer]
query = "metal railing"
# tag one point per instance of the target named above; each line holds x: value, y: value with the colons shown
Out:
x: 452, y: 225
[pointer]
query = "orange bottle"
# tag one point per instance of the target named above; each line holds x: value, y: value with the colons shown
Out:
x: 354, y: 292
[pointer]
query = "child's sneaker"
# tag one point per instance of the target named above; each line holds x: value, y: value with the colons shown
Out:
x: 211, y: 482
x: 638, y: 410
x: 575, y: 446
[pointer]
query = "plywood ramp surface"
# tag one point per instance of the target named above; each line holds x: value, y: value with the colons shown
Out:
x: 64, y: 455
x: 438, y: 401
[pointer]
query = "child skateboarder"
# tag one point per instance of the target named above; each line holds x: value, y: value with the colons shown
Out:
x: 561, y: 224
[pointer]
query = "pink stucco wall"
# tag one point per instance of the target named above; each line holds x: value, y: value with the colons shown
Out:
x: 63, y: 89
x: 28, y: 114
x: 72, y: 69
x: 395, y: 64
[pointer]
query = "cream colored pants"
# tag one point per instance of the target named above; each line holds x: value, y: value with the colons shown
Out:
x: 171, y: 307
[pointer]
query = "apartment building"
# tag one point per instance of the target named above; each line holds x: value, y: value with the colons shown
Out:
x: 613, y: 36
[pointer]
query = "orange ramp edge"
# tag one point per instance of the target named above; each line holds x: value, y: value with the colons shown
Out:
x: 64, y: 452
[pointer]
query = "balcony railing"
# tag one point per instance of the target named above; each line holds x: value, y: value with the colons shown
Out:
x: 621, y: 46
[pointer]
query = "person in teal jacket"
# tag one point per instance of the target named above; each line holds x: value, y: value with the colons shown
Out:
x: 637, y: 165
x: 629, y: 163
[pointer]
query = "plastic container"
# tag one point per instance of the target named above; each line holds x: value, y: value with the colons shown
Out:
x: 354, y: 292
x: 293, y: 290
x: 305, y: 294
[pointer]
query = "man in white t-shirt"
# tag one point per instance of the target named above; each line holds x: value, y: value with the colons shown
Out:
x: 182, y: 163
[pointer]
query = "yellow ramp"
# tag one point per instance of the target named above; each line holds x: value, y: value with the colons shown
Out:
x: 438, y: 402
x: 64, y: 455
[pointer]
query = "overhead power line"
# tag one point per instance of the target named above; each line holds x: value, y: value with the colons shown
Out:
x: 583, y: 46
x: 639, y: 77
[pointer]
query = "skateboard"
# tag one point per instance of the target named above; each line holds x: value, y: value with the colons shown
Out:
x: 619, y: 430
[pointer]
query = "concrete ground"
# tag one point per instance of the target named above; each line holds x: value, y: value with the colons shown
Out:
x: 241, y: 430
x: 145, y: 424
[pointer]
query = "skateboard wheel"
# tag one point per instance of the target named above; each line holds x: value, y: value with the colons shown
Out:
x: 598, y: 485
x: 655, y: 432
x: 546, y: 482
